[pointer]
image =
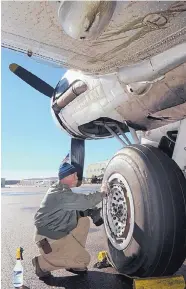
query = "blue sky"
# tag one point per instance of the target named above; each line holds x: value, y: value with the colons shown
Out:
x: 31, y: 143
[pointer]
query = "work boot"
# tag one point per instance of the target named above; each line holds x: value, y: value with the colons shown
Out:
x: 40, y: 273
x: 77, y: 271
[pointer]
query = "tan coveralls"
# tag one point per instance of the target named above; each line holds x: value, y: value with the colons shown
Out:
x: 58, y: 221
x: 67, y: 252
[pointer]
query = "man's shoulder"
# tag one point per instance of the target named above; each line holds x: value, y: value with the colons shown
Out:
x: 58, y: 187
x: 54, y: 193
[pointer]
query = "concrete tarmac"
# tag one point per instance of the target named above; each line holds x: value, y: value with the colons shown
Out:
x: 18, y: 208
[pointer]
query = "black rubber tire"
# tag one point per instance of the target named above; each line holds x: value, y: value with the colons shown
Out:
x: 158, y: 244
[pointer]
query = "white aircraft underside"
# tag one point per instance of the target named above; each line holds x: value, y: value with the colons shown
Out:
x: 136, y: 31
x: 131, y: 56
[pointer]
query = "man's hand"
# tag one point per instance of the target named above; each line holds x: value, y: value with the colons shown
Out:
x: 104, y: 189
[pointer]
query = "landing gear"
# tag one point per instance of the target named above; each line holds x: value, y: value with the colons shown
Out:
x: 145, y: 213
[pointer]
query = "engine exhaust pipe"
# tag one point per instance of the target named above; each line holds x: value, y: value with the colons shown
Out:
x: 68, y: 96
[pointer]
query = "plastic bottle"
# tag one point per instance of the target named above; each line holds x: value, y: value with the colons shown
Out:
x: 18, y: 269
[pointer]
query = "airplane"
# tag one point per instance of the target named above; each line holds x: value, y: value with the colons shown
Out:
x: 126, y: 73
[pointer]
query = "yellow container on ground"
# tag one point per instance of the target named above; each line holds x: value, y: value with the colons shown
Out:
x: 173, y: 282
x: 102, y: 255
x: 18, y: 253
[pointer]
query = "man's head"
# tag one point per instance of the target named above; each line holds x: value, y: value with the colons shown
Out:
x: 68, y: 175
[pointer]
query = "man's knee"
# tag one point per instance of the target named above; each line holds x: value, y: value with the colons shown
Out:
x: 84, y: 221
x: 81, y: 231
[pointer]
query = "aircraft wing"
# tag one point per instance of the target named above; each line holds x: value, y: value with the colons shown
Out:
x: 136, y: 31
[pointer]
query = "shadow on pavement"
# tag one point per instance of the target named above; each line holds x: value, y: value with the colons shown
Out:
x: 93, y: 280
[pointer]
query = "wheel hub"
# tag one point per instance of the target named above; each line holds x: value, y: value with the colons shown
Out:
x: 118, y: 211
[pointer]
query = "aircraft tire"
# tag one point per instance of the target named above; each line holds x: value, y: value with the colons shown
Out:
x: 145, y: 212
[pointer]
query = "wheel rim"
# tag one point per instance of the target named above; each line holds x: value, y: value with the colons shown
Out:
x: 118, y: 212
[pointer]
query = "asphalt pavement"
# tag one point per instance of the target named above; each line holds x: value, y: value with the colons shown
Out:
x: 17, y: 210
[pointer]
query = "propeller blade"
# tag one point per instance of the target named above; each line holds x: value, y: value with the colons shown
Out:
x: 77, y: 157
x: 32, y: 79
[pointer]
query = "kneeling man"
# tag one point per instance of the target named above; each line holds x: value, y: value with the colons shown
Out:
x: 61, y: 228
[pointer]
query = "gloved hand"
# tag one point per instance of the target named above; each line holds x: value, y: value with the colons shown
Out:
x: 104, y: 189
x: 95, y: 215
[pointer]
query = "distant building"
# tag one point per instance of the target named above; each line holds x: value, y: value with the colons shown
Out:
x: 12, y: 182
x: 2, y: 182
x: 96, y: 169
x: 38, y: 182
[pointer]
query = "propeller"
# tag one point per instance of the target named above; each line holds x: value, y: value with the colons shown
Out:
x: 77, y: 145
x: 32, y: 79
